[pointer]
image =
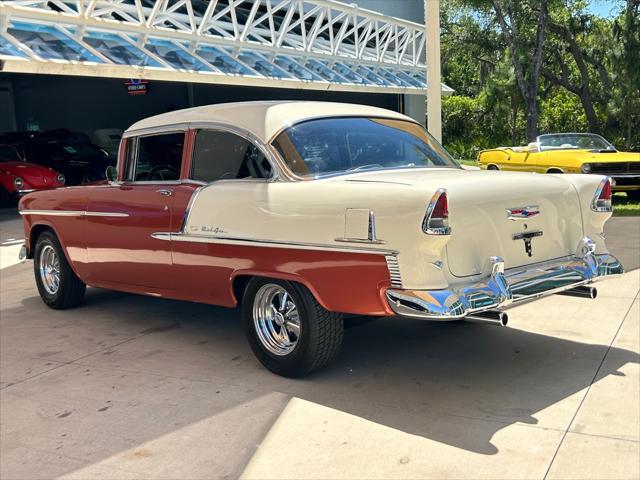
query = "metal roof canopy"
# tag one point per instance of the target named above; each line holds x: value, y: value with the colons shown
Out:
x: 310, y: 44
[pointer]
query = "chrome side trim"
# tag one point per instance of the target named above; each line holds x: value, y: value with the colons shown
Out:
x: 185, y: 216
x: 54, y: 213
x: 185, y: 237
x: 72, y: 213
x: 501, y: 289
x: 394, y: 270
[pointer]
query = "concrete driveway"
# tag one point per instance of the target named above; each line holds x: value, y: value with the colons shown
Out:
x: 134, y: 387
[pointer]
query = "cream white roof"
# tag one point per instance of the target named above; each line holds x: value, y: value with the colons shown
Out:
x: 262, y: 119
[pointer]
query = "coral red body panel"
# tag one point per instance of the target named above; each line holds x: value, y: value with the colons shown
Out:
x: 341, y: 281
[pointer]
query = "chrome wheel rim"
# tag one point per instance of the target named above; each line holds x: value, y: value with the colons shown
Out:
x: 276, y: 319
x: 50, y: 269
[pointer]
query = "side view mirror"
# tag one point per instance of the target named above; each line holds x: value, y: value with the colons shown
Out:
x: 111, y: 173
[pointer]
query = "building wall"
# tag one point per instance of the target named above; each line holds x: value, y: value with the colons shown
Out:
x: 81, y: 103
x: 412, y: 10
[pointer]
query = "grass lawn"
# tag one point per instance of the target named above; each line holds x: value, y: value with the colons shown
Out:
x: 623, y: 207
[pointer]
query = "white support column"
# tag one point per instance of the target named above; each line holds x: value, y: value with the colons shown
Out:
x: 434, y: 93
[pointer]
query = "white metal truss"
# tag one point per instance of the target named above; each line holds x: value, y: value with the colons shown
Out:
x: 320, y: 26
x: 326, y: 30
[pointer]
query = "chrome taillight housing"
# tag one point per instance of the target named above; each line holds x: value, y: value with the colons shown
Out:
x: 436, y: 219
x: 602, y: 199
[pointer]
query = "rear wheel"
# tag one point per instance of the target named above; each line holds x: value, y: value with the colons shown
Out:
x: 492, y: 167
x: 58, y: 285
x: 288, y: 330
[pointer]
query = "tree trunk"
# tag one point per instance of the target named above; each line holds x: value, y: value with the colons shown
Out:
x: 514, y: 119
x: 589, y: 110
x: 532, y: 121
x: 528, y: 86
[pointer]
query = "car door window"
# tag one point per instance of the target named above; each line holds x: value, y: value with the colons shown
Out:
x: 220, y: 155
x: 157, y: 158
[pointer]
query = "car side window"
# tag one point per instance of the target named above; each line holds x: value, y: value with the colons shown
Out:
x: 155, y: 157
x: 219, y: 155
x: 9, y: 154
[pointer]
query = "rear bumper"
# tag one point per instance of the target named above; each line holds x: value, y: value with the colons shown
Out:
x: 502, y: 289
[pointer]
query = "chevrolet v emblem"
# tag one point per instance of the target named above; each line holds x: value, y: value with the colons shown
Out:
x: 522, y: 213
x: 527, y: 236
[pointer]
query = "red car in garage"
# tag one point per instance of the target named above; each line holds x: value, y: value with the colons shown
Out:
x: 18, y: 177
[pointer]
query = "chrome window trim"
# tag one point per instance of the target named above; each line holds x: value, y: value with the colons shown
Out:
x: 154, y: 133
x: 240, y: 132
x: 158, y: 130
x: 185, y: 237
x: 73, y: 213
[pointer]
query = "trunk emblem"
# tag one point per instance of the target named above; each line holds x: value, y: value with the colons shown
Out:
x: 522, y: 213
x: 527, y: 236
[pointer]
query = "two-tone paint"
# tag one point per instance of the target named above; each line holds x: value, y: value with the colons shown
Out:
x: 356, y: 241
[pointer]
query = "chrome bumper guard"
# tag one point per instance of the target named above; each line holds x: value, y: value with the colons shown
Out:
x: 501, y: 289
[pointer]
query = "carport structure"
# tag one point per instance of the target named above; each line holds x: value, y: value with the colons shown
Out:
x: 318, y: 44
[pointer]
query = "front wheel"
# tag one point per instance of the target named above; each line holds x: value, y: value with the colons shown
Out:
x: 58, y: 285
x: 288, y: 330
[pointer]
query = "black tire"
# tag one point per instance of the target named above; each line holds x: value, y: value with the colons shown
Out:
x: 320, y: 331
x: 492, y: 167
x: 70, y: 290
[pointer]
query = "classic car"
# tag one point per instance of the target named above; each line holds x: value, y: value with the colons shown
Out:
x: 302, y: 212
x: 70, y: 153
x: 18, y: 177
x: 570, y: 153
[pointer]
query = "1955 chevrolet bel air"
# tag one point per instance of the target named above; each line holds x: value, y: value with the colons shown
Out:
x: 302, y: 212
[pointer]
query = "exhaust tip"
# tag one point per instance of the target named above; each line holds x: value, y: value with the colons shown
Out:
x: 490, y: 317
x: 593, y: 292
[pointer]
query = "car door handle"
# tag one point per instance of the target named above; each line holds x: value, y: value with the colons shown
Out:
x: 165, y: 192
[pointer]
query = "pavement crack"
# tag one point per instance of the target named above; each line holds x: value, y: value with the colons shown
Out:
x: 62, y: 363
x: 595, y: 376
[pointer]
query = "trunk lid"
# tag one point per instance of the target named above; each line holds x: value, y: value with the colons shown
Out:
x: 478, y: 216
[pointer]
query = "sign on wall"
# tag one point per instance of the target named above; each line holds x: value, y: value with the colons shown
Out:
x: 137, y: 86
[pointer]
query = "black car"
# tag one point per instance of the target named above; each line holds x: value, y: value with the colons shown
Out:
x: 70, y: 153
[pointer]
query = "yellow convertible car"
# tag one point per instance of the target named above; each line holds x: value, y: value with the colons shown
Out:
x: 569, y: 153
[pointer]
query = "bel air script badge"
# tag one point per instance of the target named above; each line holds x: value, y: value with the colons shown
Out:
x: 523, y: 213
x: 527, y: 236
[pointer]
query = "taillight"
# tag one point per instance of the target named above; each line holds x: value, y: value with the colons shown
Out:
x: 602, y: 198
x: 436, y: 220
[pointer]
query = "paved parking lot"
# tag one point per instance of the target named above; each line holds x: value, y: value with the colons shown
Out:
x: 134, y: 387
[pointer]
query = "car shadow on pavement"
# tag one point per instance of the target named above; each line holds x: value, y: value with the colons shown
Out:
x: 456, y: 383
